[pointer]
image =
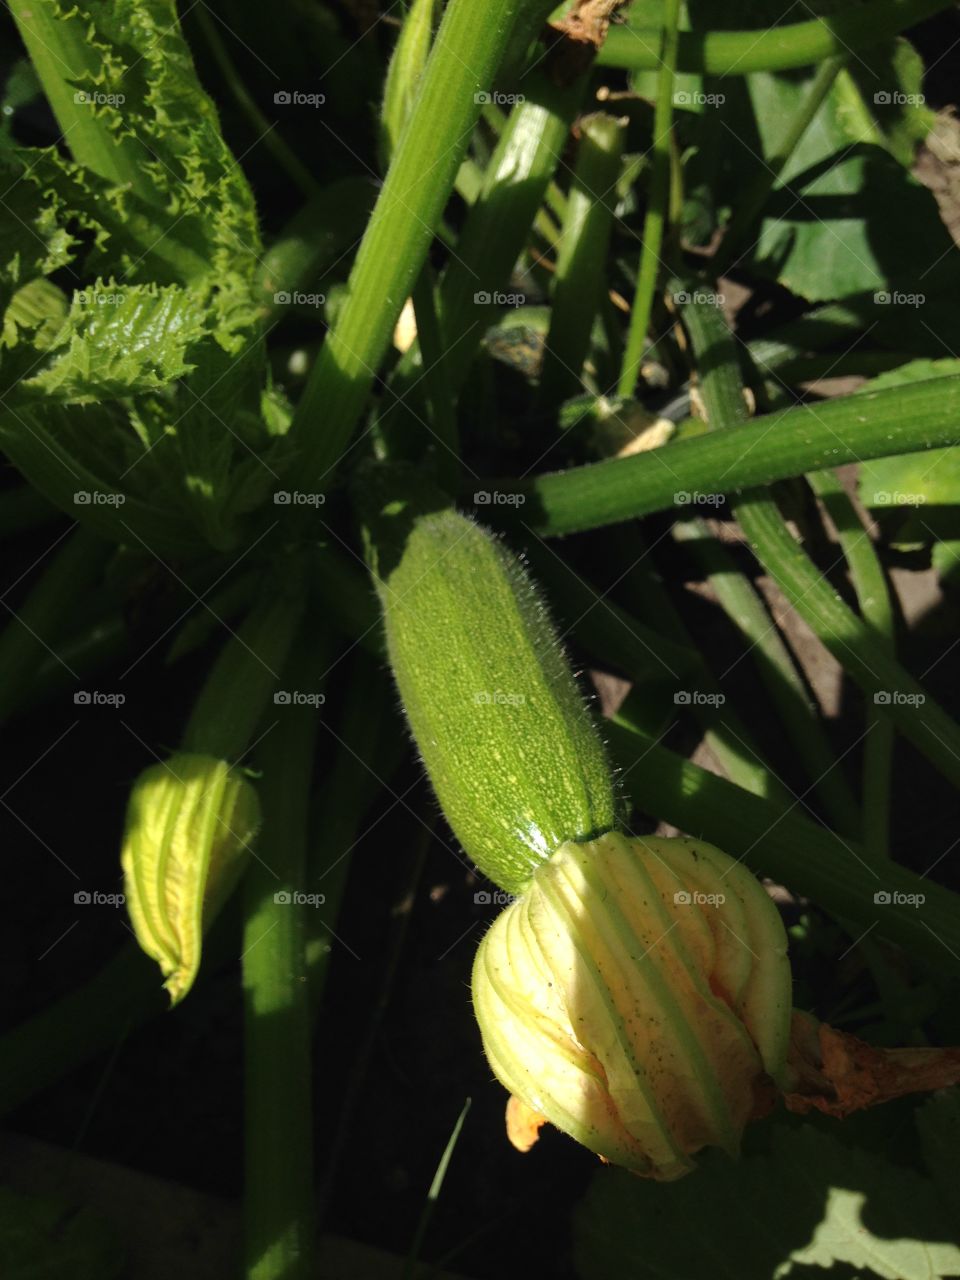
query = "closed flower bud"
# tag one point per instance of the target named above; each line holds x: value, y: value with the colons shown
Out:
x: 188, y: 829
x: 638, y: 996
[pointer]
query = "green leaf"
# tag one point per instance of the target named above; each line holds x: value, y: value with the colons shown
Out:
x: 34, y: 240
x: 848, y: 217
x: 44, y: 1240
x: 916, y: 495
x: 809, y: 1207
x: 120, y: 340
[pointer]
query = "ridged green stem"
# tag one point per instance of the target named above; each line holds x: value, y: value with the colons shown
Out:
x: 742, y: 604
x: 492, y: 239
x: 876, y: 607
x: 278, y: 1148
x: 775, y: 841
x: 725, y: 53
x: 246, y: 673
x: 716, y: 359
x: 462, y: 65
x: 579, y: 282
x: 658, y: 204
x: 923, y: 415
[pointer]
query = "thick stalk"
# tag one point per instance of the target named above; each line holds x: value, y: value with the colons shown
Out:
x: 871, y: 424
x: 245, y: 675
x: 799, y: 44
x: 278, y: 1153
x: 658, y: 204
x: 742, y: 604
x: 580, y: 277
x: 510, y: 198
x: 461, y: 67
x: 368, y: 752
x: 876, y: 607
x: 721, y: 386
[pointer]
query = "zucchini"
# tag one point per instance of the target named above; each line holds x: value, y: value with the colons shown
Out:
x: 504, y: 732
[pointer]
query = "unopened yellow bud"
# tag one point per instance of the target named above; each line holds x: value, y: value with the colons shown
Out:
x: 638, y: 996
x: 188, y: 830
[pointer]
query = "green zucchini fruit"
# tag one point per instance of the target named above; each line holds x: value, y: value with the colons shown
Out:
x: 505, y: 735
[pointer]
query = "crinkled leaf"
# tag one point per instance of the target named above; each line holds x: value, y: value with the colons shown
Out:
x: 811, y: 1207
x: 120, y: 340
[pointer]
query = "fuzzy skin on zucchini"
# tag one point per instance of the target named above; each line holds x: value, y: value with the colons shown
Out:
x: 508, y: 743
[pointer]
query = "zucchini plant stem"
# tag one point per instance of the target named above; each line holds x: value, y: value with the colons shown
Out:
x: 798, y: 44
x: 871, y: 424
x: 864, y: 656
x: 775, y: 841
x: 233, y: 699
x: 715, y: 355
x: 462, y: 65
x: 744, y: 607
x: 876, y: 607
x: 658, y: 205
x: 279, y: 1223
x: 579, y: 282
